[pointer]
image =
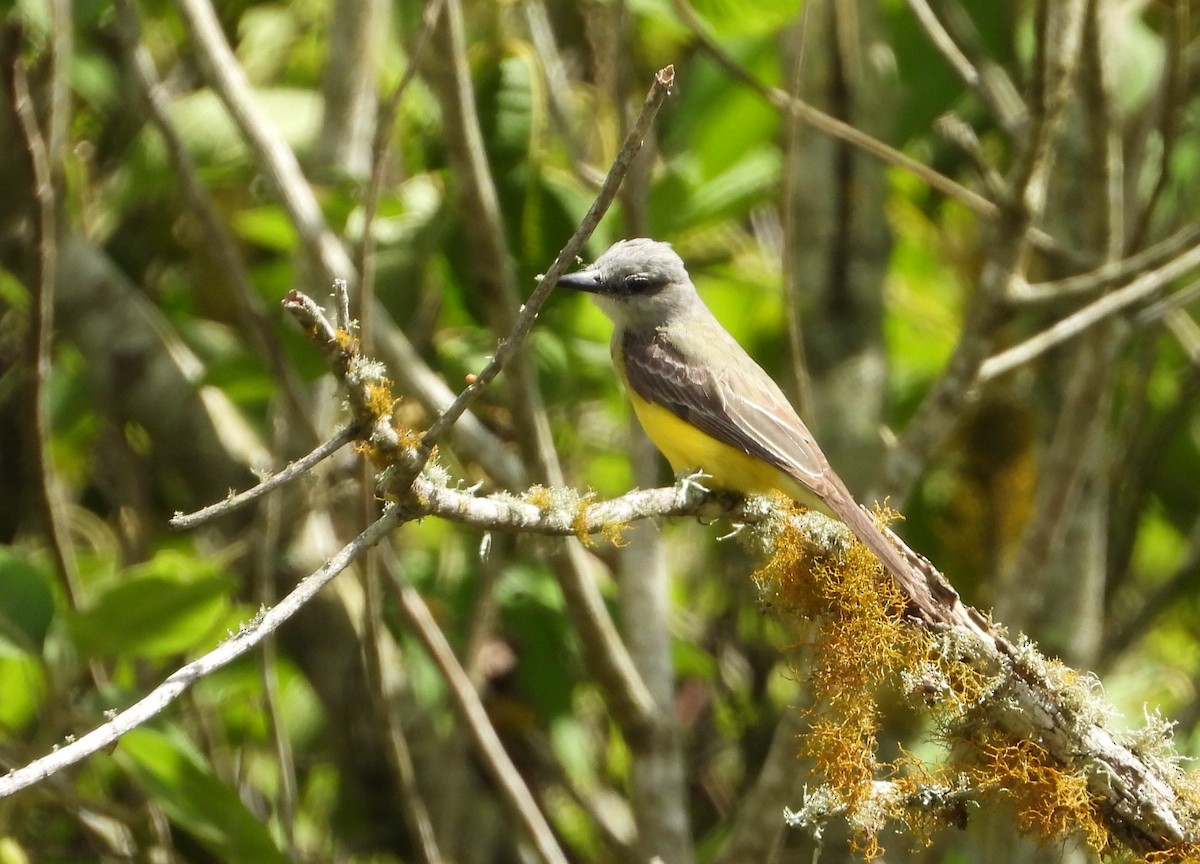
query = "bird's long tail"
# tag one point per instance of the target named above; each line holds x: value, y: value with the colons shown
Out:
x: 917, y: 576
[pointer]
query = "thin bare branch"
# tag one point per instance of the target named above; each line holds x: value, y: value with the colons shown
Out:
x: 272, y: 153
x: 1107, y: 274
x: 831, y: 125
x: 104, y: 736
x: 218, y: 242
x: 1176, y: 29
x: 789, y: 190
x: 961, y: 64
x: 1099, y: 310
x: 474, y: 717
x: 343, y: 437
x: 756, y: 829
x: 477, y: 199
x: 279, y: 163
x: 379, y: 149
x: 566, y: 258
x: 1059, y: 44
x: 46, y: 234
x: 355, y: 36
x: 1002, y: 101
x: 265, y: 558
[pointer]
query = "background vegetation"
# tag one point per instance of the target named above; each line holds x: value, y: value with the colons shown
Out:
x: 451, y: 148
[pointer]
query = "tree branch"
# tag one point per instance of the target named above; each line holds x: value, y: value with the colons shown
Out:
x: 250, y: 635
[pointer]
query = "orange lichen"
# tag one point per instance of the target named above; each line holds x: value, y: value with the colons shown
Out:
x: 1188, y: 853
x: 862, y: 643
x: 539, y: 496
x: 381, y: 402
x: 346, y: 341
x: 1052, y: 803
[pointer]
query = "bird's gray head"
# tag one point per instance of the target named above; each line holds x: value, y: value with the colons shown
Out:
x: 638, y: 283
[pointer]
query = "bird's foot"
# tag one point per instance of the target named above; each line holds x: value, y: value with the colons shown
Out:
x: 689, y: 483
x: 738, y: 528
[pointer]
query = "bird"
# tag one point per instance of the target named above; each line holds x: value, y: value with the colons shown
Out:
x: 703, y: 400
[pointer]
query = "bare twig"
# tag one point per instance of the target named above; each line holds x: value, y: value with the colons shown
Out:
x: 1177, y: 25
x: 541, y: 33
x: 343, y: 437
x: 272, y: 153
x: 1108, y: 273
x: 958, y: 61
x: 379, y: 149
x: 474, y: 716
x: 756, y: 828
x: 380, y: 650
x: 217, y: 240
x: 477, y: 198
x: 354, y: 36
x: 566, y: 258
x: 177, y: 683
x: 789, y: 192
x: 959, y: 133
x: 43, y: 329
x: 999, y: 102
x: 265, y: 558
x: 279, y: 163
x: 1166, y: 306
x: 831, y: 125
x: 1060, y: 26
x: 62, y: 47
x: 1099, y: 310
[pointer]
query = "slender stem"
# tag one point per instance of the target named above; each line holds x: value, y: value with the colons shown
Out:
x: 1090, y: 315
x: 474, y: 716
x: 249, y: 636
x: 43, y: 329
x: 343, y: 437
x: 508, y: 348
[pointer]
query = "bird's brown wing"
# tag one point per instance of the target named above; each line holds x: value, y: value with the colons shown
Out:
x: 727, y: 396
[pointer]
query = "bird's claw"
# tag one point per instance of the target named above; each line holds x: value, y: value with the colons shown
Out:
x: 738, y: 528
x: 691, y: 481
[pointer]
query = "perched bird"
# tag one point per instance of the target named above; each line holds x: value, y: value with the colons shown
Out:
x: 703, y: 400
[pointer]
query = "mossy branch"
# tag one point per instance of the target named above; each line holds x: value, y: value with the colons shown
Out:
x: 1037, y: 729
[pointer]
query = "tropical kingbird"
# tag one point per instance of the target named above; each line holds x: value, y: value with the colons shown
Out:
x: 703, y: 400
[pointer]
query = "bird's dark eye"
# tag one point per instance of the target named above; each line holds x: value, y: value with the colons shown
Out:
x: 637, y: 283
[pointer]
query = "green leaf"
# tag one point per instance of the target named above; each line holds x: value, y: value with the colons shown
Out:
x: 723, y: 18
x: 212, y: 136
x: 13, y: 291
x: 23, y: 683
x: 180, y: 782
x: 734, y: 192
x: 26, y: 605
x: 164, y: 607
x: 268, y: 227
x: 531, y: 609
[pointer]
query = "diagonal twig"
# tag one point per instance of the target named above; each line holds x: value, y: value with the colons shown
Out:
x: 178, y: 682
x: 1090, y: 315
x: 343, y: 437
x: 633, y: 142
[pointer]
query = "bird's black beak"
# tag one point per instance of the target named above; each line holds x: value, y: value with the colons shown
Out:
x: 584, y: 280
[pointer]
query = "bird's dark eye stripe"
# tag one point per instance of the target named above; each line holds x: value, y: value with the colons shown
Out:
x: 642, y: 283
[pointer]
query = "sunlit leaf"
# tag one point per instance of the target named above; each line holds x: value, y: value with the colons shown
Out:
x: 166, y: 606
x: 26, y: 605
x: 194, y: 798
x: 23, y: 683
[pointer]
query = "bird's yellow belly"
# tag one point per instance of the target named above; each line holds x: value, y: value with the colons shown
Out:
x: 687, y: 448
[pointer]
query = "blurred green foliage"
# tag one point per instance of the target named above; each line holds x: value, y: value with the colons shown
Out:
x: 212, y: 769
